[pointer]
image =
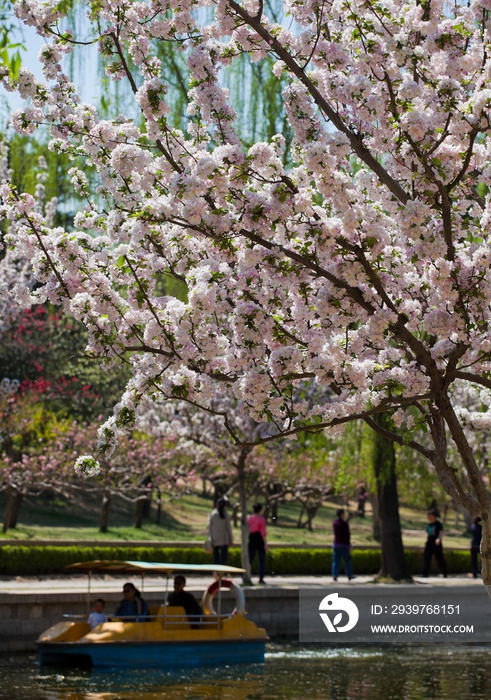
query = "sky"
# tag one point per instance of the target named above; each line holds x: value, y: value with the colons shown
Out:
x: 85, y: 73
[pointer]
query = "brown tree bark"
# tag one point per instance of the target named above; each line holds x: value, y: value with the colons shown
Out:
x: 139, y: 513
x: 8, y: 509
x: 384, y: 464
x: 106, y: 502
x: 375, y: 517
x: 14, y: 515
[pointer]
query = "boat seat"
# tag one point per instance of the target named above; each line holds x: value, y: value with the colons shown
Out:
x: 175, y: 617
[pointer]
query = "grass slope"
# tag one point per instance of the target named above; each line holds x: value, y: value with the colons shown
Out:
x: 50, y: 517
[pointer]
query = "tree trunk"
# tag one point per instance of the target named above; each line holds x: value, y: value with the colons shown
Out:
x: 244, y: 529
x: 384, y: 464
x: 375, y: 517
x: 486, y: 550
x: 14, y: 515
x: 299, y: 522
x: 271, y: 503
x: 106, y: 502
x: 139, y: 513
x: 311, y: 513
x: 8, y: 510
x: 274, y: 512
x: 159, y: 507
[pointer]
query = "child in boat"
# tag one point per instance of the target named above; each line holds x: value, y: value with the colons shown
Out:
x: 97, y: 617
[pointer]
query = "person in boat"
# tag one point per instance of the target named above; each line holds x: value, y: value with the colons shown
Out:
x: 220, y: 532
x: 97, y: 617
x: 186, y: 600
x: 133, y: 608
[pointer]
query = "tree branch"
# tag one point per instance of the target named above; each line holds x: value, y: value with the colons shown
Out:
x: 355, y: 139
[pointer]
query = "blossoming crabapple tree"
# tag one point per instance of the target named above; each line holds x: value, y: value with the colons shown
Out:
x: 14, y: 273
x: 203, y: 436
x: 247, y: 467
x: 364, y: 269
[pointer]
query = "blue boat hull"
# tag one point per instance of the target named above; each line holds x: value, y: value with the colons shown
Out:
x: 154, y: 654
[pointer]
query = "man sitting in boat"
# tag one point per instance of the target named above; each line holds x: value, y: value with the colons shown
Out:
x: 185, y: 600
x: 132, y: 608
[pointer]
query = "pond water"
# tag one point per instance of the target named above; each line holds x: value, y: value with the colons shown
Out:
x: 291, y: 672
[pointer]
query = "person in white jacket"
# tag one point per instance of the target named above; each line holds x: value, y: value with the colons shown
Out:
x: 220, y: 532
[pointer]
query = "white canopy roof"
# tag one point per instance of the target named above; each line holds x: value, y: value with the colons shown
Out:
x: 150, y: 567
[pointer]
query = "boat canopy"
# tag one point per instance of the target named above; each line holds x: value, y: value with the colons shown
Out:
x: 150, y: 567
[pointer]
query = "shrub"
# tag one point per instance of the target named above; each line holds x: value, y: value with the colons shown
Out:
x: 18, y: 560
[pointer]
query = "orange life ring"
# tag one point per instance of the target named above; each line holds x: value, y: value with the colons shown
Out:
x: 207, y: 602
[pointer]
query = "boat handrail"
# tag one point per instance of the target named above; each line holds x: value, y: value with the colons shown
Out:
x: 176, y: 619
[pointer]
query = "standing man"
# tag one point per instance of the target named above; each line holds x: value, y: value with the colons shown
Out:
x: 341, y: 548
x: 433, y: 546
x: 186, y: 600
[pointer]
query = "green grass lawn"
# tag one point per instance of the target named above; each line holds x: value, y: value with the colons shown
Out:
x: 52, y: 517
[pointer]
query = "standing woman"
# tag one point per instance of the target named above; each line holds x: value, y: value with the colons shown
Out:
x: 257, y: 539
x: 220, y: 532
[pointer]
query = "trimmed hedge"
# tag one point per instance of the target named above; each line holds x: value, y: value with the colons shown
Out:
x: 32, y: 561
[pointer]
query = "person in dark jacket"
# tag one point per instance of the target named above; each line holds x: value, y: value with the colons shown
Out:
x: 476, y: 535
x: 341, y: 548
x: 132, y: 608
x: 185, y: 600
x: 433, y: 545
x: 257, y: 539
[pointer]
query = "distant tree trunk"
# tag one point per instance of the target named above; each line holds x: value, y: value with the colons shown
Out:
x: 8, y: 509
x: 311, y: 513
x: 139, y: 513
x: 271, y: 503
x: 244, y: 529
x: 159, y: 507
x: 375, y: 517
x: 384, y: 463
x: 217, y: 493
x: 106, y: 502
x: 274, y: 512
x: 299, y: 521
x: 235, y: 514
x: 14, y: 515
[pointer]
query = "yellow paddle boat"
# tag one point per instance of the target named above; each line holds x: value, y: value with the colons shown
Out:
x: 168, y: 637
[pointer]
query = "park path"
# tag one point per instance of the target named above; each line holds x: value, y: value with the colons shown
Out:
x: 107, y: 583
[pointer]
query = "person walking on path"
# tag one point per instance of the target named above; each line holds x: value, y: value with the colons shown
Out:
x: 476, y: 535
x: 257, y: 539
x: 433, y: 546
x: 341, y: 548
x: 220, y: 532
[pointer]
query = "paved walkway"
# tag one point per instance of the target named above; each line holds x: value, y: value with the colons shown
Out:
x: 107, y: 583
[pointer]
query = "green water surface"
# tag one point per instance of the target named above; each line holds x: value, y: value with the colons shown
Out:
x: 291, y: 672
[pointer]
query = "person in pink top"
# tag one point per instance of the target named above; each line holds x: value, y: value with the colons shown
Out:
x: 257, y: 539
